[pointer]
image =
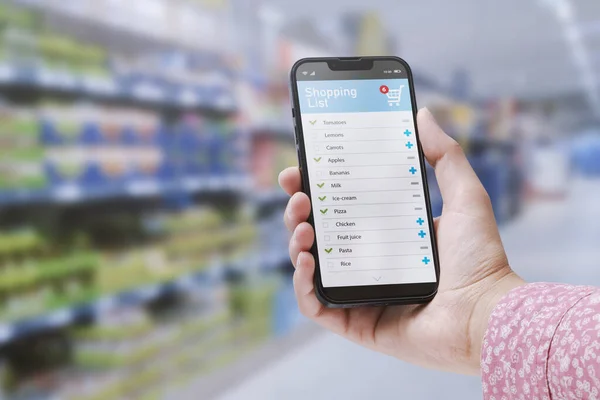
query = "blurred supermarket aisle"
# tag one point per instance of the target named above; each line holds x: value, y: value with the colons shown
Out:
x: 553, y: 240
x: 142, y: 251
x: 557, y: 240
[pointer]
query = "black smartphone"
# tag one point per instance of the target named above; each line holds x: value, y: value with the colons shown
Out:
x: 363, y: 169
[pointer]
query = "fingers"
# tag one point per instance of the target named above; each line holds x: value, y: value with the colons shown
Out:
x: 297, y: 211
x: 459, y: 185
x: 302, y: 240
x: 290, y: 180
x: 335, y: 320
x: 298, y: 208
x: 304, y: 286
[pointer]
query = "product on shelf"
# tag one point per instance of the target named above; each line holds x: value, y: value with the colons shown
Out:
x: 21, y: 156
x: 88, y: 124
x: 138, y: 348
x: 24, y: 40
x: 130, y: 353
x: 33, y: 279
x: 61, y: 52
x: 32, y: 286
x: 96, y: 146
x: 253, y: 301
x: 133, y: 268
x: 16, y: 17
x: 176, y: 68
x: 193, y: 220
x: 104, y: 145
x: 199, y: 234
x: 20, y: 243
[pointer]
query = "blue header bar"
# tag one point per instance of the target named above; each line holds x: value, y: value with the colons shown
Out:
x: 353, y: 96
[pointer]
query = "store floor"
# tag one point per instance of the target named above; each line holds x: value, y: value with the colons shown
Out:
x: 551, y: 241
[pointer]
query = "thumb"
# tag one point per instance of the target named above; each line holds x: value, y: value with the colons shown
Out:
x: 460, y: 187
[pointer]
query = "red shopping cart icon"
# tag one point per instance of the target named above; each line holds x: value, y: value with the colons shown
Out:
x: 384, y: 89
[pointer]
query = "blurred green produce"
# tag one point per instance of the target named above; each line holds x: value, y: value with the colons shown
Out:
x: 21, y: 155
x: 20, y: 243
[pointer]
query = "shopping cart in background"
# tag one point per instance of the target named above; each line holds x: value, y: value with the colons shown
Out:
x: 394, y: 96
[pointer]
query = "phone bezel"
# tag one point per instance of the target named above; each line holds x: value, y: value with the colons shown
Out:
x: 350, y: 296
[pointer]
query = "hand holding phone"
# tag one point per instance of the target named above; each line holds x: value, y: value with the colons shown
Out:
x: 447, y: 332
x: 364, y: 171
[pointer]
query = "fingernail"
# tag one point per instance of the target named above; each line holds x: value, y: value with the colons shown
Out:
x: 299, y: 260
x: 427, y: 113
x: 428, y: 116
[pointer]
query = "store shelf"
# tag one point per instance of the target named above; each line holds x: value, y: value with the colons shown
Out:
x: 270, y: 198
x: 139, y: 188
x: 281, y: 131
x: 273, y: 259
x: 148, y: 91
x: 137, y: 296
x: 67, y: 316
x: 266, y: 261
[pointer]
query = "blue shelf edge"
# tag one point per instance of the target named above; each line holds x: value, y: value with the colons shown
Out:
x: 142, y: 91
x: 273, y: 196
x: 75, y: 193
x: 281, y: 131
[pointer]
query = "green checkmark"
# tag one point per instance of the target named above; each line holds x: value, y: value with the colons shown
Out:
x: 328, y: 251
x: 322, y: 198
x: 317, y: 159
x: 313, y: 122
x: 321, y: 185
x: 324, y: 211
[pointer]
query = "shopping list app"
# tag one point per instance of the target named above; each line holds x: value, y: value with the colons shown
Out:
x: 367, y: 194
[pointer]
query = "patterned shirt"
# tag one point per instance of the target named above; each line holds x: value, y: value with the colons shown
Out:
x: 543, y: 343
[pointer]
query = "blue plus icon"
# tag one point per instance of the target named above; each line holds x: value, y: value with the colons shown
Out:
x: 407, y: 133
x: 422, y: 234
x: 426, y: 260
x: 412, y: 170
x: 420, y: 221
x: 409, y: 145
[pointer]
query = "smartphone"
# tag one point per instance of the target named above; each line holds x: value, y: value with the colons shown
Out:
x: 363, y: 169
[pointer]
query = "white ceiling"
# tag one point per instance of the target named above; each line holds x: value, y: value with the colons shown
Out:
x: 509, y: 47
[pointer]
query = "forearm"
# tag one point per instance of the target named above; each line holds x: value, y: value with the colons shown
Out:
x: 540, y: 343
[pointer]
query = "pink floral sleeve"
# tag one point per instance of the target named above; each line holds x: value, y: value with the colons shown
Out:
x: 543, y: 343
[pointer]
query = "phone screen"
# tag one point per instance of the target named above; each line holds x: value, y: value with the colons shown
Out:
x: 366, y: 183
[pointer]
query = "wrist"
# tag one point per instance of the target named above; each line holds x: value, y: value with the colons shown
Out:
x: 478, y: 322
